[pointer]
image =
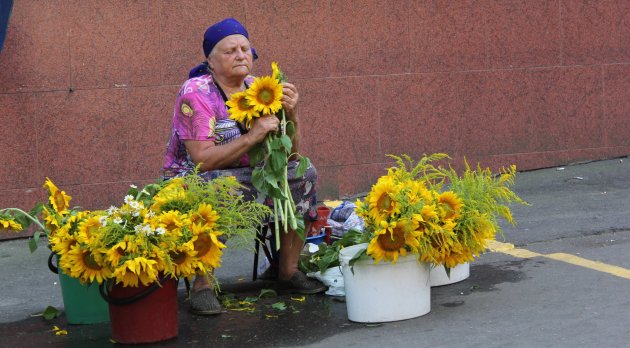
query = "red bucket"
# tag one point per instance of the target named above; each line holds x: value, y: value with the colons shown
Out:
x: 143, y: 314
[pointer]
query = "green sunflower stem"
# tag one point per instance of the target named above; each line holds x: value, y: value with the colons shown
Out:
x: 275, y: 223
x: 290, y: 204
x: 22, y: 212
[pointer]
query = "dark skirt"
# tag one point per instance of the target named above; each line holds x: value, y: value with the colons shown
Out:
x: 302, y: 188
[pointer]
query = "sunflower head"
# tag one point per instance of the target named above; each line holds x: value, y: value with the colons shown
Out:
x: 205, y: 216
x: 265, y: 94
x: 449, y: 205
x: 86, y: 265
x: 8, y: 222
x: 381, y: 202
x: 276, y: 73
x: 387, y: 244
x: 241, y: 110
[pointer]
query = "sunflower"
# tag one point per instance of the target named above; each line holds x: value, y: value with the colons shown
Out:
x: 51, y: 220
x: 185, y: 264
x: 441, y: 241
x: 84, y: 265
x: 173, y: 191
x: 387, y: 244
x: 62, y: 242
x: 11, y: 224
x: 133, y: 271
x: 119, y: 250
x: 265, y: 94
x: 88, y: 229
x: 205, y: 216
x: 241, y: 110
x: 207, y: 245
x: 59, y: 200
x: 172, y: 220
x: 418, y: 192
x: 276, y: 73
x: 160, y: 256
x: 429, y: 212
x: 380, y: 199
x: 449, y: 205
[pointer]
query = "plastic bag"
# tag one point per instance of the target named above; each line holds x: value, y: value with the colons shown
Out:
x: 332, y: 278
x: 354, y: 221
x: 343, y: 211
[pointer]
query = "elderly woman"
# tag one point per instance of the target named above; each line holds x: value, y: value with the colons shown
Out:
x: 203, y: 134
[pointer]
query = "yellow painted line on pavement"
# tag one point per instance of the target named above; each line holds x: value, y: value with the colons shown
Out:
x: 596, y: 265
x: 509, y: 249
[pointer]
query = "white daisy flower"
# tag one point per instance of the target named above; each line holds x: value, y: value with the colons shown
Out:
x: 128, y: 198
x: 118, y: 220
x: 103, y: 220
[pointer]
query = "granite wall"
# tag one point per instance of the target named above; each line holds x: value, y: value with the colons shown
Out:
x: 87, y: 87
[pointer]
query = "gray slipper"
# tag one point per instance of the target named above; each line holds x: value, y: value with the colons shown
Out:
x: 204, y: 302
x: 301, y: 284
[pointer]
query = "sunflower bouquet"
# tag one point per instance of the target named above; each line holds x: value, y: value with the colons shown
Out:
x: 270, y: 158
x: 171, y: 229
x: 432, y: 212
x: 177, y: 232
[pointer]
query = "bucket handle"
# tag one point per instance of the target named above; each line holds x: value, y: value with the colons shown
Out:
x: 51, y: 266
x: 137, y: 297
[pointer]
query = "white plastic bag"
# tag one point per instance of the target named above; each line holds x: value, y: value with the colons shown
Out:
x: 332, y: 278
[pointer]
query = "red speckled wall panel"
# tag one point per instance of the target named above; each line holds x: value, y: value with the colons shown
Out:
x: 87, y: 88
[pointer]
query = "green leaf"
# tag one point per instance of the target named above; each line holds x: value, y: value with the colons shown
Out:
x: 256, y: 155
x: 276, y: 143
x: 302, y: 166
x: 251, y: 299
x: 22, y: 220
x: 356, y: 258
x: 267, y: 293
x: 277, y: 161
x: 37, y: 209
x: 32, y: 244
x: 258, y: 179
x: 299, y: 219
x: 279, y: 306
x: 291, y: 129
x: 286, y: 143
x: 51, y: 313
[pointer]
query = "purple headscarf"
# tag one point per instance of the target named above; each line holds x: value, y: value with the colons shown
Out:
x: 213, y: 35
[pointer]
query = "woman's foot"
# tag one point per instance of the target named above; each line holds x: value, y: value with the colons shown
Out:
x: 301, y: 284
x: 204, y: 302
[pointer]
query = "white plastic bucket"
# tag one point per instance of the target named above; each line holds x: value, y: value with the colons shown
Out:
x: 384, y: 292
x: 458, y: 273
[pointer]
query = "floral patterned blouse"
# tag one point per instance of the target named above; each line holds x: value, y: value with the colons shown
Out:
x: 199, y: 114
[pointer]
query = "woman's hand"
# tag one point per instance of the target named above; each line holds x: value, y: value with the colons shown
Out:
x: 262, y: 126
x: 290, y: 97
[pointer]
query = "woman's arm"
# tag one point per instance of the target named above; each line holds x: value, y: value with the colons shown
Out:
x: 212, y: 156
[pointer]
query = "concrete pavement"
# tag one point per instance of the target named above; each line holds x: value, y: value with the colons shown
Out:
x: 568, y: 289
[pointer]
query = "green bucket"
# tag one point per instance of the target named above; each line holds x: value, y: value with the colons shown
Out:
x: 83, y: 304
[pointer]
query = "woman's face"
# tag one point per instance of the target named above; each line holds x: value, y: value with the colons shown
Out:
x: 231, y: 57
